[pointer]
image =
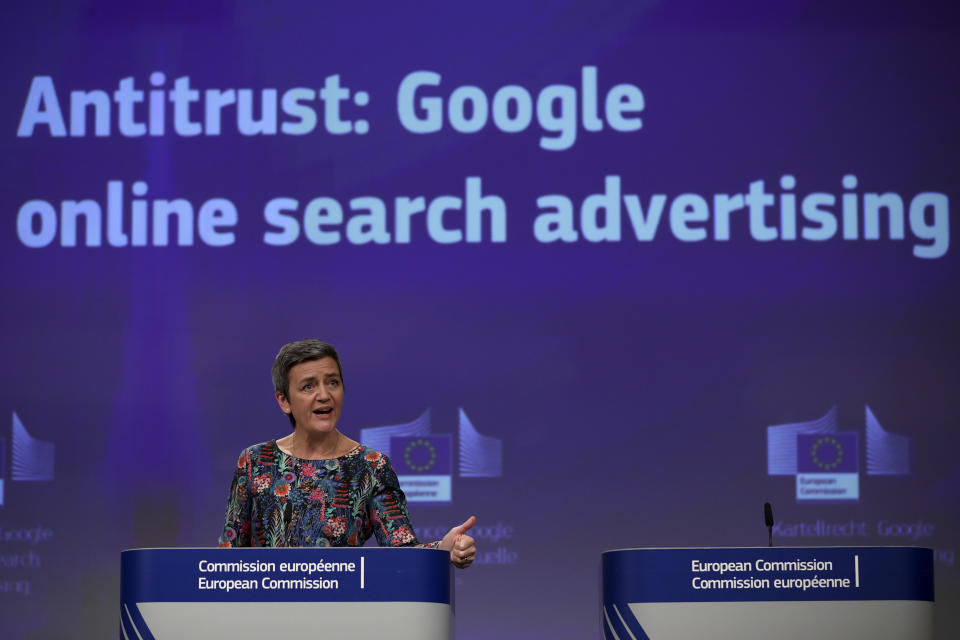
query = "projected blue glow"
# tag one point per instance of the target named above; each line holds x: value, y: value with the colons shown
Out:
x: 606, y: 275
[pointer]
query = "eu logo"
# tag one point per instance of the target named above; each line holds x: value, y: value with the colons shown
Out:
x: 827, y: 468
x: 424, y: 465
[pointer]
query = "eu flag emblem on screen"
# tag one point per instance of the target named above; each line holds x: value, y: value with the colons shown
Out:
x: 827, y: 467
x: 424, y: 466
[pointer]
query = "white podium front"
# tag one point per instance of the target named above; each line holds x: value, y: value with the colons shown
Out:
x: 263, y: 594
x: 798, y: 593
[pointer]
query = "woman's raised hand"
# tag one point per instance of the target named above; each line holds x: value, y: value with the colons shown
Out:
x: 460, y: 545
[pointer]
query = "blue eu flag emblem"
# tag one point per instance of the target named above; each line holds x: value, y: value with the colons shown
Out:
x: 827, y: 452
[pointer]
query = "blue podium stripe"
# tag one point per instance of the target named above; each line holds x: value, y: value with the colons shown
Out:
x: 285, y: 575
x: 768, y: 574
x: 132, y: 624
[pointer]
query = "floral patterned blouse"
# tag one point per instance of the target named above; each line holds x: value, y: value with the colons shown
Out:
x: 277, y: 500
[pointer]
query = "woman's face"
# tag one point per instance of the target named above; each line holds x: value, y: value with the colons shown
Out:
x: 315, y: 397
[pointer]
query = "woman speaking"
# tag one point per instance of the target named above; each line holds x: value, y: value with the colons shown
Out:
x: 316, y: 487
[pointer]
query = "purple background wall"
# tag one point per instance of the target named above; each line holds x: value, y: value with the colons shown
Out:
x: 630, y: 383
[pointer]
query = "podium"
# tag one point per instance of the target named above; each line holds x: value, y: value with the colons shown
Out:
x: 264, y: 594
x: 788, y: 593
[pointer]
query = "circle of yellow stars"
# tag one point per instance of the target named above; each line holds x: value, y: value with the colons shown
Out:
x: 419, y: 442
x: 823, y: 441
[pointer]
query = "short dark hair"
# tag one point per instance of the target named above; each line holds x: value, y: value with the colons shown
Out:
x: 295, y: 353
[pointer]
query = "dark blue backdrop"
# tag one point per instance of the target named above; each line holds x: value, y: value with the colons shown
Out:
x: 629, y: 384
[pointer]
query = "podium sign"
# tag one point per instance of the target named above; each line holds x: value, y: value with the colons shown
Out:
x: 258, y: 593
x: 758, y: 593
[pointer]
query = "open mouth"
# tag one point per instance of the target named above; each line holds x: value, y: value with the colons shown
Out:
x: 322, y: 412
